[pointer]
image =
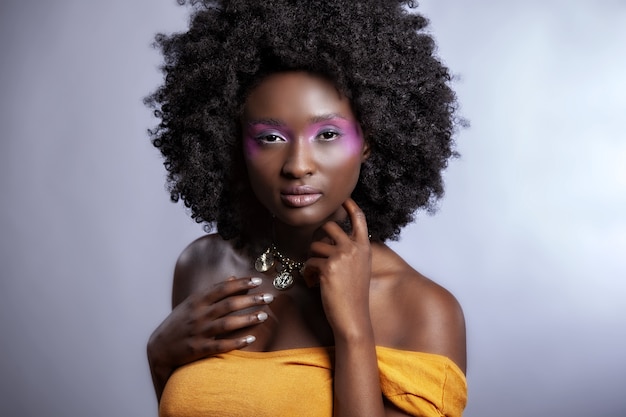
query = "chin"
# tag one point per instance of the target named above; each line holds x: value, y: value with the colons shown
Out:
x: 301, y: 217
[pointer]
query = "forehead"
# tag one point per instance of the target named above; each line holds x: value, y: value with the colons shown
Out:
x: 292, y: 95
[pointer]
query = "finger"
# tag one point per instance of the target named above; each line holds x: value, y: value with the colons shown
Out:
x: 321, y: 249
x: 229, y: 287
x: 310, y: 273
x: 357, y: 217
x: 216, y: 346
x: 225, y: 325
x: 236, y: 303
x: 334, y: 232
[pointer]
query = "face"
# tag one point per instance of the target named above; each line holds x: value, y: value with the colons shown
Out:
x: 303, y: 148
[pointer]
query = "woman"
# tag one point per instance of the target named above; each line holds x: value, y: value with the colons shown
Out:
x: 308, y: 133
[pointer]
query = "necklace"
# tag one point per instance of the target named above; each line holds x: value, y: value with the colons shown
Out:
x: 285, y: 277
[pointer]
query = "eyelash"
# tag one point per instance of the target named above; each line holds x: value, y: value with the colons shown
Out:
x: 335, y: 134
x: 275, y: 138
x: 263, y: 138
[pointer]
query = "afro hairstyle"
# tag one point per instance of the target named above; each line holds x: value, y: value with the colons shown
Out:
x: 376, y: 53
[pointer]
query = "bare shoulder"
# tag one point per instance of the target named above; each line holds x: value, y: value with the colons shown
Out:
x: 205, y: 261
x: 419, y: 314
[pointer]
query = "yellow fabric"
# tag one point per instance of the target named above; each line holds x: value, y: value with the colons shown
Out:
x: 422, y: 384
x: 299, y: 382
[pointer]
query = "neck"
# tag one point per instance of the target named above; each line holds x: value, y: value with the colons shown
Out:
x: 294, y: 242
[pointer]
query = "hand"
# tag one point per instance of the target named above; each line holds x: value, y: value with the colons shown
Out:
x: 342, y: 263
x: 200, y: 325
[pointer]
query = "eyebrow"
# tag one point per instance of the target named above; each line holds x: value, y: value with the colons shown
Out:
x: 312, y: 120
x: 326, y: 117
x: 269, y: 122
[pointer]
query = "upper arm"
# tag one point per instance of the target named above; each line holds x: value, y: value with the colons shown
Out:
x: 205, y: 262
x: 193, y: 267
x: 423, y: 317
x: 433, y: 320
x: 444, y: 327
x: 182, y: 285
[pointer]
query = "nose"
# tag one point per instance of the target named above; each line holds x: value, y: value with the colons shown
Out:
x: 299, y: 159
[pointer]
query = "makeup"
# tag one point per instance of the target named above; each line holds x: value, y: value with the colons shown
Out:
x: 300, y: 196
x: 325, y: 130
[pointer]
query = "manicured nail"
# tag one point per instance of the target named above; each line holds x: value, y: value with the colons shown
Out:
x: 262, y: 316
x: 249, y: 339
x: 255, y: 282
x: 266, y: 298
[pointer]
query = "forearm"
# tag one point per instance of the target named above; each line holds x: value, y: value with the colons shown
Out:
x: 357, y: 383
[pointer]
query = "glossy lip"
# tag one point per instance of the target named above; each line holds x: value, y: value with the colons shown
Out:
x: 300, y: 196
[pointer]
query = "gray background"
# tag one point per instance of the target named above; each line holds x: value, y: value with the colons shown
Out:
x: 530, y: 237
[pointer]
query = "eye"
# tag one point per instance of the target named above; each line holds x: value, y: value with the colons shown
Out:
x: 328, y: 135
x: 270, y: 138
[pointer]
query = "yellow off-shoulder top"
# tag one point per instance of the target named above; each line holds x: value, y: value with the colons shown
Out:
x: 299, y: 383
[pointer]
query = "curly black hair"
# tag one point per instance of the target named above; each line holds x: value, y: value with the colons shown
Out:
x: 376, y: 52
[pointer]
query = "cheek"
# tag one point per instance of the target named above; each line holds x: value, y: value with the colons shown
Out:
x: 347, y: 152
x: 260, y: 182
x: 257, y: 161
x: 251, y: 149
x: 353, y: 144
x: 260, y: 166
x: 352, y: 141
x: 342, y: 170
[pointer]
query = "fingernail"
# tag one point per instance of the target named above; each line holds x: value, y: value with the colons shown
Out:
x: 262, y: 316
x: 267, y: 298
x: 255, y: 282
x: 249, y: 339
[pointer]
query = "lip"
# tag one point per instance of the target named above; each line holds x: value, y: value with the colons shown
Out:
x: 300, y: 196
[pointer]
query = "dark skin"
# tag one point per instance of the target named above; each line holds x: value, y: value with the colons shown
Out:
x: 355, y: 295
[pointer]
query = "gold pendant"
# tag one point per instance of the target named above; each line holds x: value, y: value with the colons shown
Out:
x: 283, y: 280
x: 264, y: 262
